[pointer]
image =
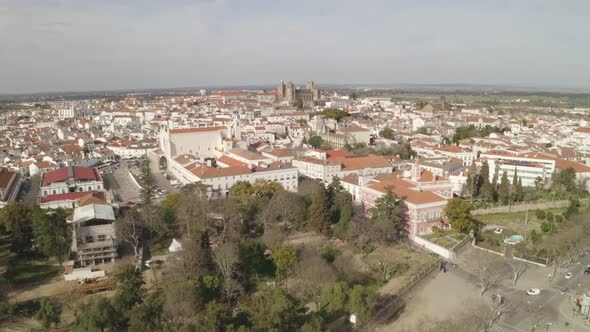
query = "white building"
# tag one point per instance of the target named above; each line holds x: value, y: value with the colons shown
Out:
x: 94, y: 239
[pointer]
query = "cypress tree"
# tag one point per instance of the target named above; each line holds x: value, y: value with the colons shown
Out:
x: 504, y: 191
x: 319, y: 211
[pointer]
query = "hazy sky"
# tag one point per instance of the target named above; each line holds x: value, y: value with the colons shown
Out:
x: 65, y: 45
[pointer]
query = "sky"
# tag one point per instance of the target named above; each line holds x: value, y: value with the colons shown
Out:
x: 87, y: 45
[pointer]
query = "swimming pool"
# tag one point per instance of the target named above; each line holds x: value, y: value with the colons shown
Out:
x: 514, y: 239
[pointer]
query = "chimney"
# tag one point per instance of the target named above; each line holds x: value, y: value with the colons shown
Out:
x: 208, y: 162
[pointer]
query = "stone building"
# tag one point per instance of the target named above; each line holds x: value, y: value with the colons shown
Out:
x: 290, y: 93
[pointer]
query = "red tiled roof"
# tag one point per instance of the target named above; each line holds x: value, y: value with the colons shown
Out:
x: 71, y: 196
x: 74, y: 172
x: 408, y: 195
x: 583, y: 130
x: 204, y: 172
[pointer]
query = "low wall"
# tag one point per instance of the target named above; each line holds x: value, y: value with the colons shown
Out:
x: 84, y: 273
x: 435, y: 248
x: 522, y: 207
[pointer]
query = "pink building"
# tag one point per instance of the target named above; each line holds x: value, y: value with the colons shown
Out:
x: 425, y: 195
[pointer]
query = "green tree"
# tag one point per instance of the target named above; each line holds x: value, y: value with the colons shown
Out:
x: 458, y: 211
x: 534, y: 236
x: 52, y: 233
x: 387, y: 133
x: 215, y: 317
x: 315, y: 141
x: 147, y: 315
x: 254, y: 263
x: 514, y: 187
x: 271, y: 309
x: 520, y: 190
x: 473, y: 181
x: 422, y: 130
x: 17, y: 222
x: 504, y: 191
x: 264, y: 188
x: 96, y: 314
x: 313, y: 324
x: 335, y: 296
x: 130, y: 292
x: 353, y: 95
x: 361, y: 301
x: 389, y: 209
x: 241, y: 189
x: 298, y: 104
x: 48, y: 313
x: 540, y: 214
x: 319, y: 214
x: 149, y: 184
x: 487, y: 189
x: 284, y: 258
x: 335, y: 113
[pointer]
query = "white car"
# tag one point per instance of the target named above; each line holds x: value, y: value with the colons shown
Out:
x: 533, y: 291
x: 568, y: 275
x: 498, y: 230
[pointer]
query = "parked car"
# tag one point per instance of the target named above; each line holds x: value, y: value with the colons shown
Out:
x: 498, y: 230
x: 533, y: 291
x: 587, y: 270
x: 568, y: 275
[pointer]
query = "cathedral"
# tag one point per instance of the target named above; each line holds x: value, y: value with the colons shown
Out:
x: 290, y: 93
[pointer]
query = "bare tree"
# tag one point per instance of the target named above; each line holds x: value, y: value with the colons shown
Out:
x: 359, y: 233
x: 191, y: 211
x: 489, y: 270
x: 518, y: 268
x: 387, y: 267
x: 132, y: 230
x: 311, y: 275
x: 226, y: 257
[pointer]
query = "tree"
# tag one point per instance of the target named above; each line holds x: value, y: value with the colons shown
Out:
x: 390, y: 209
x: 518, y: 268
x: 149, y: 184
x: 226, y: 257
x: 253, y: 262
x: 265, y: 189
x: 215, y: 317
x: 287, y: 208
x: 96, y: 314
x: 315, y: 141
x: 241, y: 189
x: 298, y: 104
x: 132, y: 231
x: 487, y: 190
x: 514, y: 195
x: 147, y: 316
x: 312, y: 274
x: 540, y: 214
x: 539, y: 183
x: 519, y: 190
x: 284, y: 257
x: 361, y: 301
x: 504, y: 191
x: 130, y: 289
x: 53, y: 234
x: 473, y: 181
x: 458, y: 211
x: 335, y: 297
x: 387, y: 133
x: 564, y: 180
x: 388, y: 267
x: 271, y: 309
x: 353, y: 95
x: 17, y: 222
x: 335, y: 113
x: 48, y: 313
x: 319, y: 215
x: 191, y: 211
x: 489, y: 271
x: 422, y: 130
x: 359, y: 233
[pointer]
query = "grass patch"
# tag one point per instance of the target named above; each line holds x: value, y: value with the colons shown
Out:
x: 23, y: 271
x: 161, y: 246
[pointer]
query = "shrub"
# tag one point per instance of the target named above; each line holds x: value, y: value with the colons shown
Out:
x: 534, y: 236
x: 549, y: 216
x: 540, y: 214
x: 329, y: 253
x: 558, y: 218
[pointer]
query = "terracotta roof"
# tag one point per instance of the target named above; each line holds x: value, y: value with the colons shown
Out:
x: 408, y: 195
x: 71, y: 172
x: 195, y: 130
x: 583, y: 130
x: 45, y: 164
x: 360, y: 162
x: 204, y: 172
x: 5, y: 177
x: 230, y: 161
x: 70, y: 196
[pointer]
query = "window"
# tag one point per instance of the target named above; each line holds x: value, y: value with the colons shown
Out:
x: 102, y: 237
x: 89, y: 239
x: 54, y: 191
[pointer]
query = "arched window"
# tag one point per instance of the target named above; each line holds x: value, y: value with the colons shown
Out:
x: 54, y: 191
x: 45, y: 193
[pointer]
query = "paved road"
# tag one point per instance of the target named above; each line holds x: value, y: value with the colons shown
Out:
x: 123, y: 187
